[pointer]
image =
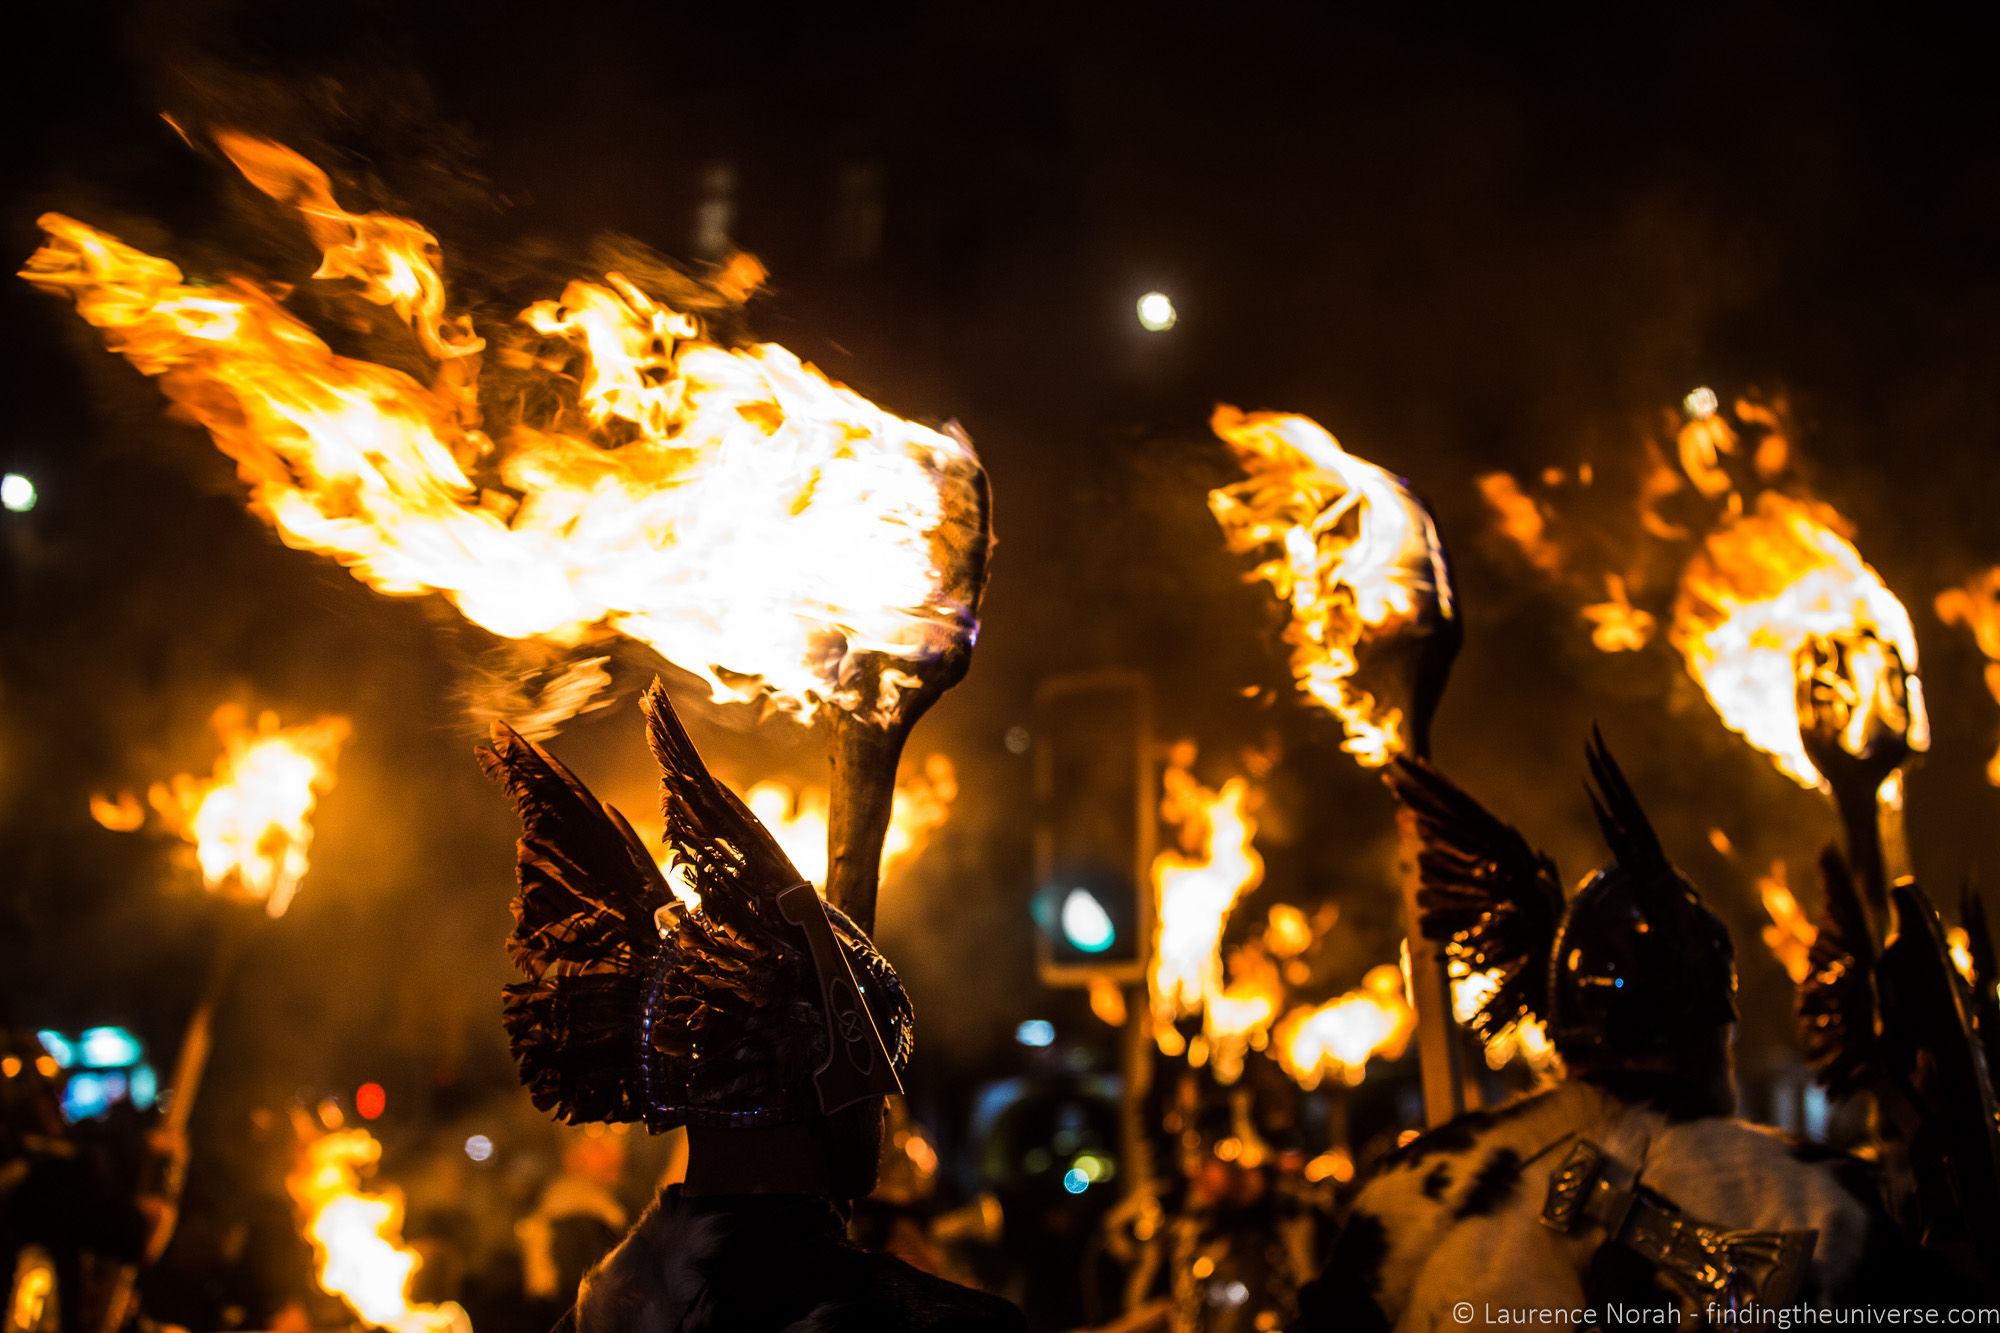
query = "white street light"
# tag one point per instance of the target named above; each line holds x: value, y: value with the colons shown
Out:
x: 1156, y: 312
x: 17, y: 493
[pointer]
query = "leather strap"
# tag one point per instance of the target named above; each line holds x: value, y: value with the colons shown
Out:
x: 1732, y: 1268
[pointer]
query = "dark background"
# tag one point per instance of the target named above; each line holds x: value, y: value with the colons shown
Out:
x: 1504, y: 241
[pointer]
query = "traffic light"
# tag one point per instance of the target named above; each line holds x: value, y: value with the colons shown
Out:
x: 1093, y: 906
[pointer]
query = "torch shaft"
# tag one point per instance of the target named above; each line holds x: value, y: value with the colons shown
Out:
x: 190, y: 1063
x: 864, y: 758
x: 1438, y: 1047
x: 1861, y: 819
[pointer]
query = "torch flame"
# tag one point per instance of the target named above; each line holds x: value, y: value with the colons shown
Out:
x: 1195, y: 890
x: 1356, y: 558
x: 251, y: 822
x: 1763, y: 586
x: 1342, y: 1035
x: 1791, y: 933
x: 752, y: 521
x: 357, y: 1238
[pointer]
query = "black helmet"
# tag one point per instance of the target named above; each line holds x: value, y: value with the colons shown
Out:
x: 1640, y: 965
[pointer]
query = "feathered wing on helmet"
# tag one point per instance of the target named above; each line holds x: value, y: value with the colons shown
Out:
x: 737, y: 1020
x: 584, y: 936
x: 638, y: 1007
x: 1490, y: 898
x: 1627, y: 832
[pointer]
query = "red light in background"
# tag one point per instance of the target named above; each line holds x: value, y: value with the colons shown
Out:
x: 369, y: 1099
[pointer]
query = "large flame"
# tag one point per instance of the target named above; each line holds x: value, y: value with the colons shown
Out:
x: 1341, y: 1036
x: 357, y: 1238
x: 1976, y: 606
x: 251, y: 821
x: 1195, y: 887
x: 754, y: 522
x: 1350, y: 551
x: 1763, y: 586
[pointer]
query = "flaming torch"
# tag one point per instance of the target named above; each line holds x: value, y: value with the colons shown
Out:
x: 1374, y: 628
x: 357, y: 1238
x: 755, y: 523
x: 250, y: 825
x: 1194, y: 887
x: 1806, y: 653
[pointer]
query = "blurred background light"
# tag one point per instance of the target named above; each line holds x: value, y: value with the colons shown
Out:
x: 1085, y: 923
x: 58, y: 1048
x: 1036, y: 1032
x: 108, y: 1048
x: 17, y: 493
x: 1156, y: 312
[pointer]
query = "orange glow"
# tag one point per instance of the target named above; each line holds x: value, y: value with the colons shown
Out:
x: 1975, y: 605
x: 1348, y: 550
x: 797, y: 819
x: 1959, y: 940
x: 1335, y: 1164
x: 251, y: 821
x: 1107, y: 1001
x: 1618, y: 626
x: 357, y: 1238
x: 1791, y: 933
x: 1525, y: 1039
x: 755, y: 523
x: 1763, y: 585
x: 124, y: 815
x: 1195, y: 889
x: 1341, y: 1036
x: 1520, y: 520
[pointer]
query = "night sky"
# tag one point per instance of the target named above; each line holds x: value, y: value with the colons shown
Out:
x: 1509, y: 242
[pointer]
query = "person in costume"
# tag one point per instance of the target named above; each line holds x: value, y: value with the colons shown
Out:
x: 725, y: 995
x: 1628, y: 1183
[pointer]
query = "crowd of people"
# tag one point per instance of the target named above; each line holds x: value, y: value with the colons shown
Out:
x: 753, y: 1038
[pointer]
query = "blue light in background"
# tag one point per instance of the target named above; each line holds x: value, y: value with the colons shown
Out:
x: 58, y: 1048
x: 144, y: 1087
x: 1036, y: 1032
x: 86, y: 1095
x: 108, y: 1048
x: 1075, y: 1181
